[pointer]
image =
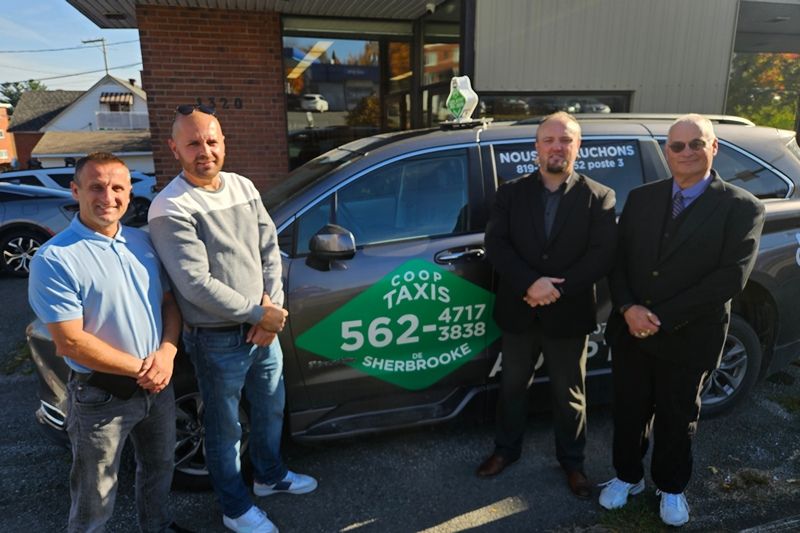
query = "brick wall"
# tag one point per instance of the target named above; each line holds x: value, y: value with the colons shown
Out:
x: 232, y: 57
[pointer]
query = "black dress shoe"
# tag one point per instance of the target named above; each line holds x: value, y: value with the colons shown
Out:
x: 495, y: 464
x: 578, y: 484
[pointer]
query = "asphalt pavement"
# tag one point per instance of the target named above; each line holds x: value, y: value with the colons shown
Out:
x: 747, y: 471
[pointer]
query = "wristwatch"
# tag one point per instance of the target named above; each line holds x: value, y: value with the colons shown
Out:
x: 623, y: 308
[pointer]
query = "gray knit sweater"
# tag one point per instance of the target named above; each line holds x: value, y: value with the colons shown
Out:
x: 220, y: 249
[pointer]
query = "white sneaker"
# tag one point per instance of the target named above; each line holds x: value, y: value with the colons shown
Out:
x: 254, y: 520
x: 291, y: 484
x: 615, y: 492
x: 674, y: 509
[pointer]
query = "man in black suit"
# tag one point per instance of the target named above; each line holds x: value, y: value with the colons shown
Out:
x: 686, y: 247
x: 550, y: 237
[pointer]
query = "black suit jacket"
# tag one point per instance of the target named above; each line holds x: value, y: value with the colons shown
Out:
x: 688, y: 280
x: 580, y: 249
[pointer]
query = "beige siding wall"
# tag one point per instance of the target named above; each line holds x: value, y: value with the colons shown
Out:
x: 674, y: 55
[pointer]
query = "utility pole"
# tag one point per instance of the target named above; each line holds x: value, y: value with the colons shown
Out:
x: 102, y: 41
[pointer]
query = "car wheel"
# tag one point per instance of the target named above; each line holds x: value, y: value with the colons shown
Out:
x: 191, y: 472
x: 738, y: 369
x: 18, y: 247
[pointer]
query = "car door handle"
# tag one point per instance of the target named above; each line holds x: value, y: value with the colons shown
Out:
x: 466, y: 254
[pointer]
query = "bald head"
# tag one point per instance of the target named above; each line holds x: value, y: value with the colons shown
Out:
x: 704, y: 125
x: 562, y: 118
x: 198, y: 143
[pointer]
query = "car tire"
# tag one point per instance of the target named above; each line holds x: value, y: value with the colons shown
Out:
x: 18, y: 247
x: 737, y: 372
x: 191, y: 472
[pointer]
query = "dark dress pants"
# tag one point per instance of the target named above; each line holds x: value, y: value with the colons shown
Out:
x: 566, y: 364
x: 661, y: 395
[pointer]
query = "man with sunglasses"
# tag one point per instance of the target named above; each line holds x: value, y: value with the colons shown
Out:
x: 220, y: 249
x: 686, y: 247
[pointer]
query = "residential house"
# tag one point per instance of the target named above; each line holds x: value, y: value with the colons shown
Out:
x: 111, y: 116
x: 7, y: 153
x: 33, y: 111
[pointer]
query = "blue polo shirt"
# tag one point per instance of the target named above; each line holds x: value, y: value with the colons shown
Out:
x: 116, y: 285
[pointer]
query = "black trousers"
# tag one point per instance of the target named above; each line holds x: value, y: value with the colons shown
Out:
x: 658, y: 395
x: 566, y: 364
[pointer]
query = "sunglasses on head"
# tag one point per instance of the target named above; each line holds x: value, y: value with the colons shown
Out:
x: 188, y: 109
x: 695, y: 145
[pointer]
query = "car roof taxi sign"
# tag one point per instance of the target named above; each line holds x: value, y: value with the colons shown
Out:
x: 462, y: 100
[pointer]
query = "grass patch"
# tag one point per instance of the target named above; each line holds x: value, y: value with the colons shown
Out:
x: 640, y: 514
x: 746, y: 478
x: 790, y: 403
x: 18, y: 360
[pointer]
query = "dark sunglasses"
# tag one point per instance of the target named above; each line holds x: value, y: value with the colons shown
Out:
x: 188, y: 109
x: 695, y: 145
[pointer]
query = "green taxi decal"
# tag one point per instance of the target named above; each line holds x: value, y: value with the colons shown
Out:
x: 413, y: 327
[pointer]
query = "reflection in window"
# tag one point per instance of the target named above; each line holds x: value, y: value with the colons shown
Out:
x: 748, y: 174
x: 520, y: 106
x: 399, y: 67
x: 344, y: 72
x: 420, y: 197
x: 310, y: 223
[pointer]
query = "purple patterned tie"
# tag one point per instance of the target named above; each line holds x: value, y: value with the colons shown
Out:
x: 677, y: 204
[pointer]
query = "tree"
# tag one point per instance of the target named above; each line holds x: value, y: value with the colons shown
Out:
x: 11, y: 92
x: 764, y: 88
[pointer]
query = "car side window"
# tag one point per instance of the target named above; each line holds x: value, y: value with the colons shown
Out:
x: 25, y: 179
x: 12, y: 197
x: 63, y: 179
x: 311, y: 222
x: 749, y: 174
x: 422, y: 196
x: 614, y: 163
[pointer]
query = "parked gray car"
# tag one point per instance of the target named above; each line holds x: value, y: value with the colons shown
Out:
x: 29, y: 215
x: 390, y: 296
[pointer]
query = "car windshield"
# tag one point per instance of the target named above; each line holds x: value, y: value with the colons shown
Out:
x: 307, y: 174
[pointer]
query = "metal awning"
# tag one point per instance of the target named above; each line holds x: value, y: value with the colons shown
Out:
x: 116, y: 98
x: 122, y: 13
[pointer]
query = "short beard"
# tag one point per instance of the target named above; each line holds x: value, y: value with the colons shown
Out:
x: 559, y: 168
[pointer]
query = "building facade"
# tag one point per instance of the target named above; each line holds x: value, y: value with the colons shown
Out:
x: 383, y: 66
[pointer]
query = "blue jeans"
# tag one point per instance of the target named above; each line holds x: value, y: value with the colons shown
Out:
x: 225, y: 365
x: 98, y: 425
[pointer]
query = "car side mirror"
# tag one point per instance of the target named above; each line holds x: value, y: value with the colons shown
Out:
x: 330, y: 243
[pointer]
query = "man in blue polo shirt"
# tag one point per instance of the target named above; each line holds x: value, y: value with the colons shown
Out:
x: 99, y: 288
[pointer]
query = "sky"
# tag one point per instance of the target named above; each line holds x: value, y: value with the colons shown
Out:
x: 54, y: 24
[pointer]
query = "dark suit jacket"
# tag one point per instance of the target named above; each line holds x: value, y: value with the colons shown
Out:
x: 580, y: 249
x: 687, y: 282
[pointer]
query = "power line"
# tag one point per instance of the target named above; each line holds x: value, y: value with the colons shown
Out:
x: 62, y: 49
x: 78, y: 73
x: 16, y: 67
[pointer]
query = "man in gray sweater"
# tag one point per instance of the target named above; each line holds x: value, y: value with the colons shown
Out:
x: 220, y: 249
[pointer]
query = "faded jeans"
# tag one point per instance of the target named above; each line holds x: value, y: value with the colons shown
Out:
x: 225, y: 365
x: 98, y: 425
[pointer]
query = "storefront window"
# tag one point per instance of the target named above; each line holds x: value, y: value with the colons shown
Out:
x: 332, y: 93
